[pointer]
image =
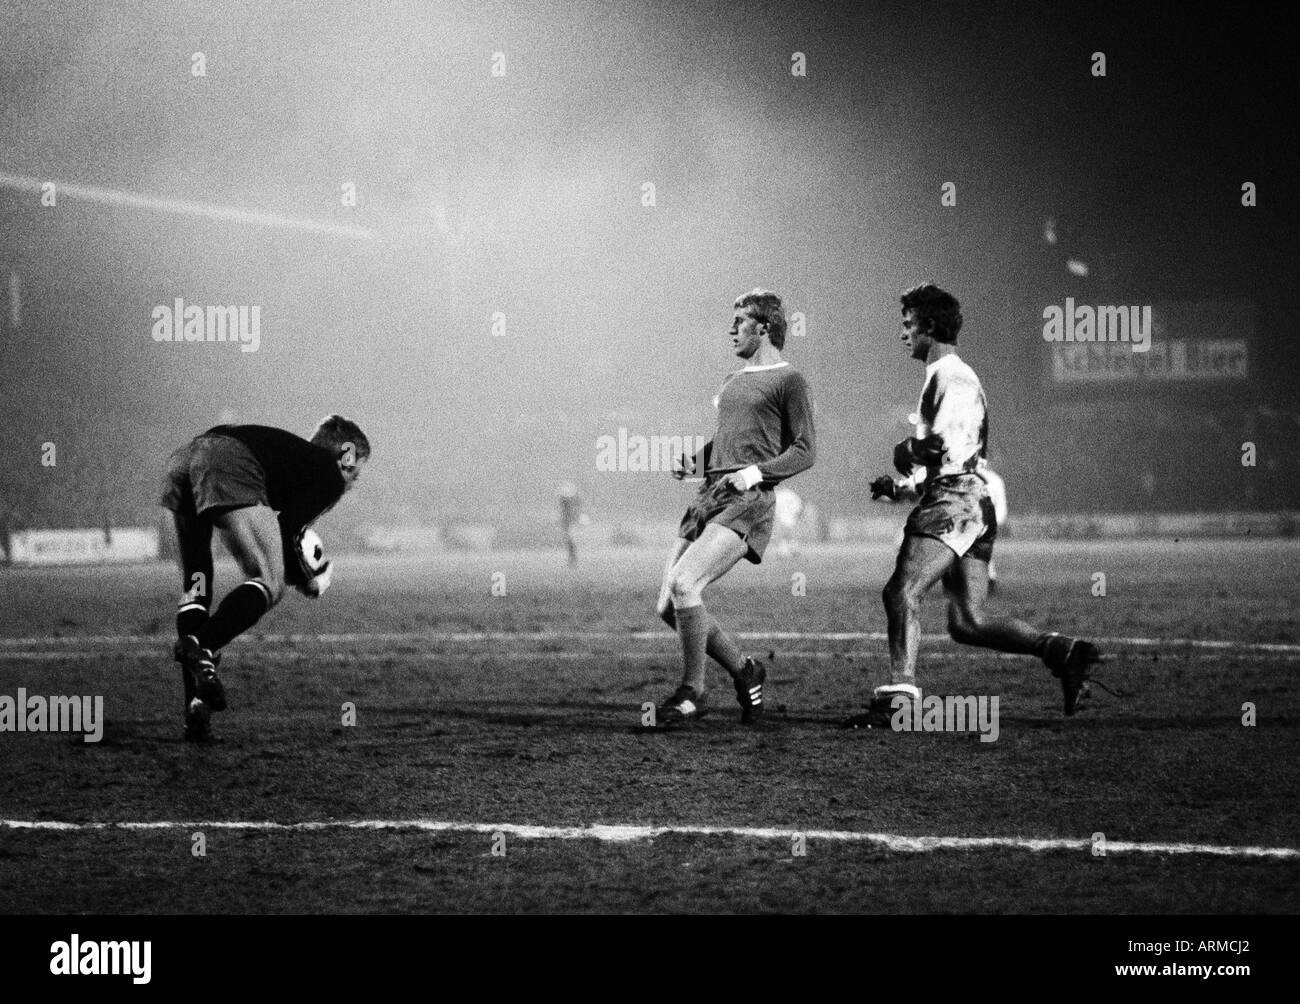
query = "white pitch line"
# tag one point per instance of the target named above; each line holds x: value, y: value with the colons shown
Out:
x: 1281, y: 648
x: 352, y: 657
x: 623, y: 833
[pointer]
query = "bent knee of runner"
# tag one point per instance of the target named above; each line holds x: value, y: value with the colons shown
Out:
x: 686, y: 591
x: 962, y: 626
x: 895, y: 595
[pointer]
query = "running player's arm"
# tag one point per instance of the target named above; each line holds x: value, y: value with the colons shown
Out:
x: 797, y: 433
x: 906, y: 489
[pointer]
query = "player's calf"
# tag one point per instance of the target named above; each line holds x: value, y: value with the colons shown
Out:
x: 242, y: 607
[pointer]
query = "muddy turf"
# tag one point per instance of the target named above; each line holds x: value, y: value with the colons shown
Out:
x: 525, y: 709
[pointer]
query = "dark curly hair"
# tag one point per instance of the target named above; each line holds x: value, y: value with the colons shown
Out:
x: 934, y: 304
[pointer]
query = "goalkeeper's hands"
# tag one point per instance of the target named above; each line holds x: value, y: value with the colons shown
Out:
x: 318, y: 583
x: 884, y: 487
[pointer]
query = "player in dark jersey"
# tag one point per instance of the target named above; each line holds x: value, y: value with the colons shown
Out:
x: 949, y: 535
x: 765, y: 435
x: 260, y: 488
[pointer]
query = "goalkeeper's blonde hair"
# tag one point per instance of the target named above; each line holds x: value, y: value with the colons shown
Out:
x: 335, y: 430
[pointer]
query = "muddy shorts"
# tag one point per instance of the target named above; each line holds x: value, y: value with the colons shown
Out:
x: 957, y: 511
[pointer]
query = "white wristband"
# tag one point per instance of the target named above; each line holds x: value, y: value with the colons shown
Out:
x: 752, y: 475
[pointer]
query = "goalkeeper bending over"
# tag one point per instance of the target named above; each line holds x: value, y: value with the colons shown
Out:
x: 260, y: 488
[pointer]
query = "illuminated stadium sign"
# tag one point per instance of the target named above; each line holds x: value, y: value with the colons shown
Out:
x: 1188, y: 343
x: 1174, y: 360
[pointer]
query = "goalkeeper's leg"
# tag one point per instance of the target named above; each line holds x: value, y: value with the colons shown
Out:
x: 194, y: 555
x: 252, y: 535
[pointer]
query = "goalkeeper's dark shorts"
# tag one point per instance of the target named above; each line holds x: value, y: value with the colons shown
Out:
x: 748, y: 513
x: 956, y: 510
x: 213, y: 474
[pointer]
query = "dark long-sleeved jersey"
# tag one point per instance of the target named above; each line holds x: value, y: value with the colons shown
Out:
x: 765, y: 420
x: 302, y: 481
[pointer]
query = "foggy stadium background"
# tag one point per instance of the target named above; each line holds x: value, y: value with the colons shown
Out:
x: 522, y: 195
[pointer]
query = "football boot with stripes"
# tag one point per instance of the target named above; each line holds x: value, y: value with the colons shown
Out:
x: 749, y: 691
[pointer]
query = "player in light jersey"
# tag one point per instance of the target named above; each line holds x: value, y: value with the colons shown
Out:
x: 998, y: 494
x: 949, y: 535
x: 765, y: 435
x: 785, y: 527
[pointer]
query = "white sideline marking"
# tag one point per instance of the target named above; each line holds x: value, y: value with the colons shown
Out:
x: 354, y: 657
x: 622, y: 833
x: 612, y: 636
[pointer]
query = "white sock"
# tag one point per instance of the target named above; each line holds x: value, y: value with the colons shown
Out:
x: 890, y: 689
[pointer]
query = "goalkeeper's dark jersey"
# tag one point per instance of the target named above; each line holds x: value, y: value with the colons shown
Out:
x: 302, y: 479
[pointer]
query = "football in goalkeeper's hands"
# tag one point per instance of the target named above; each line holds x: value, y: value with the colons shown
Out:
x: 312, y: 551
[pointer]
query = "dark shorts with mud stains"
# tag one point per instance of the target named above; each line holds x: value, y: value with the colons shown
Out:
x: 956, y: 510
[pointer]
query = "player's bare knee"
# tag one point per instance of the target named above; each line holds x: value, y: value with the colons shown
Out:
x: 685, y: 591
x: 966, y: 625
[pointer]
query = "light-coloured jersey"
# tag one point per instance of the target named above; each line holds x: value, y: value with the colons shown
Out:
x: 953, y: 406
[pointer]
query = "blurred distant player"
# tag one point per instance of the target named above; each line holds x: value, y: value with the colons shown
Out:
x: 998, y: 495
x: 570, y: 518
x: 259, y: 488
x: 949, y: 535
x: 764, y: 435
x: 786, y: 516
